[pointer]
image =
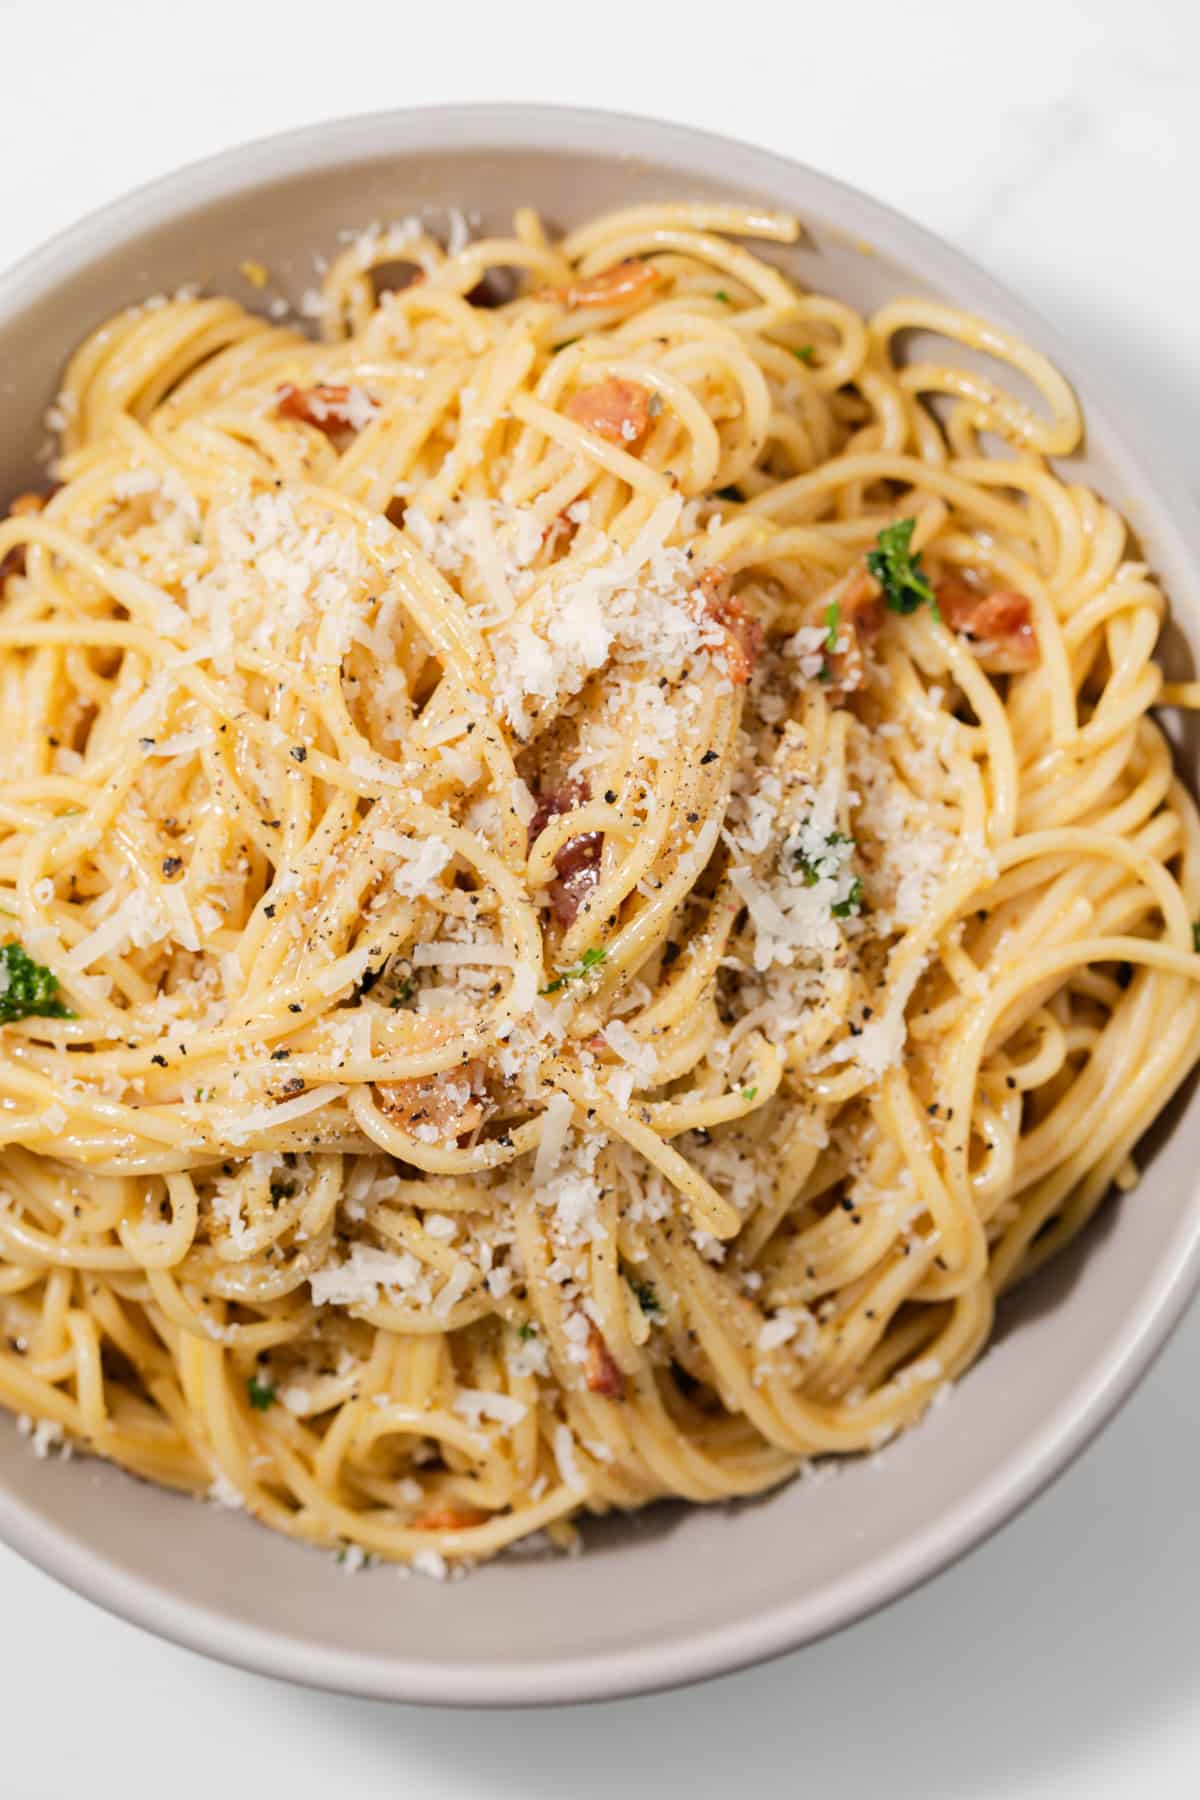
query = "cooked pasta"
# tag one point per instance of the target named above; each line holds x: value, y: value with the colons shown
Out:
x: 588, y: 877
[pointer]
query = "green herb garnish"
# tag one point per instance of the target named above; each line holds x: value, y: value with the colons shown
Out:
x: 262, y: 1393
x: 898, y: 571
x: 525, y: 1331
x: 832, y: 616
x: 27, y: 989
x: 825, y: 673
x: 403, y: 993
x: 749, y: 1093
x: 723, y: 297
x: 645, y: 1296
x: 591, y: 959
x: 851, y: 904
x: 805, y: 354
x: 810, y: 866
x: 282, y: 1188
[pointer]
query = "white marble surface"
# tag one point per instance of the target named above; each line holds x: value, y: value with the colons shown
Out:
x: 1058, y: 141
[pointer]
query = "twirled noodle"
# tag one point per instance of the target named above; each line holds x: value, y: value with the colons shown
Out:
x: 564, y: 996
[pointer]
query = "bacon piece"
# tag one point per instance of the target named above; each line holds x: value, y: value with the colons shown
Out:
x: 743, y: 635
x: 332, y: 408
x: 614, y: 409
x: 624, y: 281
x: 861, y: 606
x: 559, y: 534
x: 18, y: 508
x: 860, y: 617
x: 448, y: 1518
x: 600, y: 1371
x: 998, y: 622
x: 578, y: 862
x: 449, y: 1101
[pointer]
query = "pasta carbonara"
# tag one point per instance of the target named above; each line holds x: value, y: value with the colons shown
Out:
x: 587, y: 876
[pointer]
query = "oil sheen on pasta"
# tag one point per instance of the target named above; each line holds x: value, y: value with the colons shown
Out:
x: 570, y: 996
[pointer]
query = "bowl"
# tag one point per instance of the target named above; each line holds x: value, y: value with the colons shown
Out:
x: 676, y: 1593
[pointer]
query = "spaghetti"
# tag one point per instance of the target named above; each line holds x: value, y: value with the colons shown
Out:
x: 588, y: 876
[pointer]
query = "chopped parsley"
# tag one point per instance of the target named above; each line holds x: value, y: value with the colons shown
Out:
x: 833, y: 614
x: 591, y: 959
x: 352, y: 1557
x: 805, y: 354
x: 27, y: 989
x: 525, y: 1331
x: 403, y: 994
x: 852, y: 904
x: 645, y: 1296
x: 262, y: 1393
x: 723, y: 297
x: 749, y: 1093
x: 811, y: 867
x: 898, y: 572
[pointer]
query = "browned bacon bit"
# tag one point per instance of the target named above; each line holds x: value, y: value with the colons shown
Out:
x: 578, y: 862
x: 559, y: 534
x: 624, y: 281
x: 614, y: 409
x: 600, y: 1371
x: 331, y: 408
x: 859, y: 618
x: 743, y: 635
x: 19, y: 508
x: 448, y: 1518
x: 861, y: 606
x: 449, y: 1102
x: 999, y: 623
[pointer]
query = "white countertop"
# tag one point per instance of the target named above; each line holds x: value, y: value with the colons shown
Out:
x: 1058, y: 142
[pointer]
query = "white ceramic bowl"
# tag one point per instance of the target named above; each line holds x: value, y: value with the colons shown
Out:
x: 676, y: 1593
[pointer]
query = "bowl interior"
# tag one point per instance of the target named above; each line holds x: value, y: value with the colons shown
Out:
x: 676, y: 1592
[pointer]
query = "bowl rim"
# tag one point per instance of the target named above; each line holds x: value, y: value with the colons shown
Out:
x: 1139, y: 1337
